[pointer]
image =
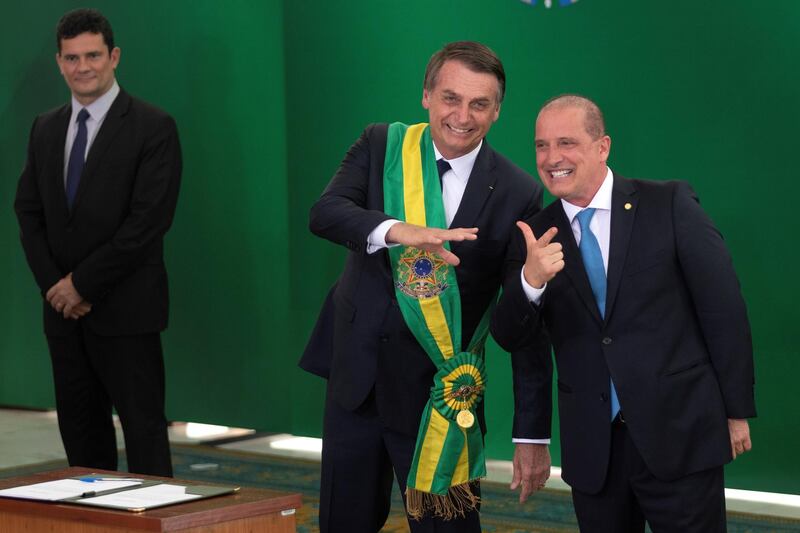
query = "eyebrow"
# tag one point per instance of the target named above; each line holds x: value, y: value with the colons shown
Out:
x: 75, y: 54
x: 574, y: 139
x: 479, y: 99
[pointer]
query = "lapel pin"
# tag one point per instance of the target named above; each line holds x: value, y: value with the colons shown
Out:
x: 491, y: 187
x: 628, y: 206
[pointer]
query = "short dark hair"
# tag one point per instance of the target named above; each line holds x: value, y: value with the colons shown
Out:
x: 475, y: 56
x: 80, y: 21
x: 594, y: 123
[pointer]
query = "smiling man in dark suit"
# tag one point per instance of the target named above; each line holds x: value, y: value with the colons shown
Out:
x: 96, y: 196
x: 423, y: 271
x: 636, y: 290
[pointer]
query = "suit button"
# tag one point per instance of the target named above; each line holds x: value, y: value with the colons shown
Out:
x: 384, y: 338
x: 607, y: 340
x: 604, y: 396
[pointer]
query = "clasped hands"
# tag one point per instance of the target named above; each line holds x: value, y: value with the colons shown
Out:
x: 430, y: 239
x: 64, y: 298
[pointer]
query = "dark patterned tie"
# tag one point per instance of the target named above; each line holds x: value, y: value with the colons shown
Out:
x: 593, y: 263
x: 442, y: 166
x: 76, y: 158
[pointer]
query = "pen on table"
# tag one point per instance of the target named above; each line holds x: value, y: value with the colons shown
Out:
x: 91, y: 479
x: 88, y: 494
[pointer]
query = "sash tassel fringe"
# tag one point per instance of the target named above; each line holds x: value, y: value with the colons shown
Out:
x: 458, y: 501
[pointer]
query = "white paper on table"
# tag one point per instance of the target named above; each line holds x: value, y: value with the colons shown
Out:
x: 62, y: 489
x: 152, y: 496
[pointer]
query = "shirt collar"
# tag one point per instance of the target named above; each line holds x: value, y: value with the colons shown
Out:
x: 99, y: 108
x: 601, y: 200
x: 462, y: 166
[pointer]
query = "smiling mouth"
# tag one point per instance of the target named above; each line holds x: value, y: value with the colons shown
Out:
x: 460, y: 131
x: 555, y: 174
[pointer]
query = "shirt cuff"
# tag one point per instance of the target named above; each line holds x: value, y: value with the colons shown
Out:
x: 376, y: 240
x: 530, y: 441
x: 533, y: 294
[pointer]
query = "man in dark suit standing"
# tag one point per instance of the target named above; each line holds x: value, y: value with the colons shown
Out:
x: 637, y: 292
x: 96, y: 196
x: 380, y: 367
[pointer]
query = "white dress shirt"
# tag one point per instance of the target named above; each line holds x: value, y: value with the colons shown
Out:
x: 600, y: 225
x: 97, y: 113
x: 454, y: 183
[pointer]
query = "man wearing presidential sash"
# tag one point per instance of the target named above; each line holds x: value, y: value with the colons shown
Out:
x: 426, y: 211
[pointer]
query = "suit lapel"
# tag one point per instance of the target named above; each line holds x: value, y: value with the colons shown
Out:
x: 623, y: 212
x: 479, y: 188
x: 108, y: 130
x: 59, y: 141
x: 573, y: 263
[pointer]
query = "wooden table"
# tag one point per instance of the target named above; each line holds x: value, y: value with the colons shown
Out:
x: 249, y: 510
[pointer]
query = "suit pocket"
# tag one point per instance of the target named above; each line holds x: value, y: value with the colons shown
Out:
x: 647, y: 262
x: 691, y: 402
x: 688, y: 367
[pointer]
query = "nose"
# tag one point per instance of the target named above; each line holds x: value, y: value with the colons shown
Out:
x: 463, y: 113
x: 552, y: 156
x: 83, y: 64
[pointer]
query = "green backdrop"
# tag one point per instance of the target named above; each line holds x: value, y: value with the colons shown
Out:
x: 269, y: 94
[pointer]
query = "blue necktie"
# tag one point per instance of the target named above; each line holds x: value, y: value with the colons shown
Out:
x: 76, y: 158
x: 593, y: 263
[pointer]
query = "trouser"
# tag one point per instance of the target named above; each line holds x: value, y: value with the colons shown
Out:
x: 632, y: 495
x: 359, y: 457
x: 92, y: 374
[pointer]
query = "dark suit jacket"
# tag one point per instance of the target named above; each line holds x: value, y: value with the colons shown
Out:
x: 361, y: 340
x: 112, y: 239
x: 675, y: 337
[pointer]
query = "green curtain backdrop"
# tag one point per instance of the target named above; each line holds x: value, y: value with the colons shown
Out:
x: 269, y: 95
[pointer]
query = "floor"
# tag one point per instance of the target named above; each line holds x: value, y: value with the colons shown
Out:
x: 29, y: 437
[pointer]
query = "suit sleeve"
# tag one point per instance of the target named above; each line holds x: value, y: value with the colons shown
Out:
x: 516, y: 328
x: 152, y: 207
x: 708, y: 269
x: 33, y: 230
x: 516, y: 322
x: 532, y: 376
x: 341, y: 214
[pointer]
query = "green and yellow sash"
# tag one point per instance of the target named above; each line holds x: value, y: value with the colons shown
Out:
x: 449, y: 449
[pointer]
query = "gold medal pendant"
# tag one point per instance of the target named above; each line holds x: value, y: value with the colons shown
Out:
x: 465, y: 419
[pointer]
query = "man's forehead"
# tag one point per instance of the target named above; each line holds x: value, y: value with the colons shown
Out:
x: 564, y: 111
x: 83, y: 41
x: 458, y: 78
x: 563, y: 118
